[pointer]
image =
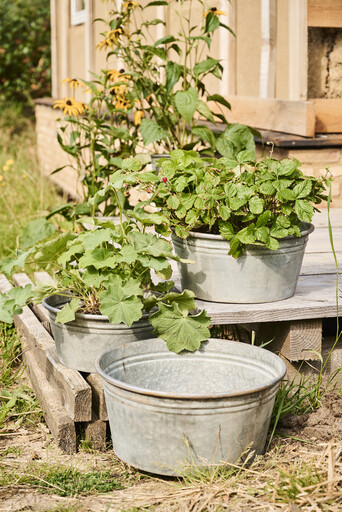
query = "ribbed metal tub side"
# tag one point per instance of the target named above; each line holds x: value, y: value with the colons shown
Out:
x: 259, y: 275
x: 168, y: 410
x: 80, y: 342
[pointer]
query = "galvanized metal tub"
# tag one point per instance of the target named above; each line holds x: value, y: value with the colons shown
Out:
x: 259, y: 275
x: 168, y: 411
x: 80, y: 342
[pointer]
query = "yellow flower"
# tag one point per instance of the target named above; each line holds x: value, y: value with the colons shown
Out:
x: 117, y: 76
x: 122, y: 103
x: 111, y: 38
x: 138, y: 114
x: 73, y: 82
x: 1, y: 178
x: 129, y: 5
x: 9, y: 162
x: 70, y: 106
x: 5, y: 168
x: 23, y: 176
x: 215, y: 11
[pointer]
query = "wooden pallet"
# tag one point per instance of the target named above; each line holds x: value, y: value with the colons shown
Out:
x: 72, y: 401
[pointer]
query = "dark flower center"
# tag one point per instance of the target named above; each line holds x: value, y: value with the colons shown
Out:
x: 69, y: 102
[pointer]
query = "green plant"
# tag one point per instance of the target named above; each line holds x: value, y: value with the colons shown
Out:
x: 108, y: 271
x: 168, y: 78
x: 24, y: 50
x: 243, y: 200
x: 97, y: 136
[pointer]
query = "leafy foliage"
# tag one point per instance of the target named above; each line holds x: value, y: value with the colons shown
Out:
x: 244, y: 200
x: 24, y: 50
x: 168, y: 78
x: 109, y: 271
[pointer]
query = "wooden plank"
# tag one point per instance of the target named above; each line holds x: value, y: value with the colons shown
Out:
x: 319, y: 241
x: 96, y: 432
x: 313, y: 263
x: 296, y: 117
x: 60, y: 423
x: 99, y: 402
x: 321, y: 219
x: 295, y: 340
x: 74, y: 392
x: 22, y: 279
x: 315, y: 297
x: 298, y: 51
x: 325, y: 13
x: 328, y: 115
x: 268, y: 49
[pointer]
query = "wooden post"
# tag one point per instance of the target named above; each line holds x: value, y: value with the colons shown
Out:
x: 298, y: 49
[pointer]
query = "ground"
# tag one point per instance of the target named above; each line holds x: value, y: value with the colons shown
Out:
x: 301, y: 472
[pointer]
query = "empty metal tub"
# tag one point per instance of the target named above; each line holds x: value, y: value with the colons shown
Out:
x: 169, y: 410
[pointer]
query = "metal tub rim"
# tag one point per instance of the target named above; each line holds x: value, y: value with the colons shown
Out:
x: 186, y: 396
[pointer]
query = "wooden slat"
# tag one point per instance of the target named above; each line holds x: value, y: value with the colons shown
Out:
x: 268, y: 49
x: 296, y: 117
x: 99, y: 403
x: 74, y: 392
x: 60, y: 423
x: 297, y: 340
x: 328, y: 115
x: 298, y: 50
x: 325, y: 13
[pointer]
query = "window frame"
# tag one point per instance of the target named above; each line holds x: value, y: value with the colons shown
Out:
x: 77, y: 16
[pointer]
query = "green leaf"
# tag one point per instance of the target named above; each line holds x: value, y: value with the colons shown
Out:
x: 165, y: 273
x: 173, y: 202
x: 219, y: 99
x: 211, y: 23
x: 303, y: 189
x: 204, y: 65
x: 226, y: 230
x: 98, y: 258
x: 186, y: 103
x: 272, y: 243
x: 256, y: 205
x: 118, y: 305
x: 236, y: 248
x: 180, y: 330
x: 127, y: 254
x: 51, y: 250
x: 131, y: 164
x: 93, y: 239
x: 224, y: 212
x: 286, y: 195
x: 35, y: 231
x: 267, y: 188
x: 21, y: 295
x: 304, y: 210
x: 93, y: 278
x: 246, y: 235
x: 191, y: 217
x: 262, y: 233
x: 283, y: 221
x: 205, y: 111
x: 263, y: 219
x: 151, y: 131
x: 278, y: 232
x: 185, y: 300
x: 8, y: 264
x: 173, y: 74
x: 68, y: 312
x: 204, y: 134
x: 148, y: 243
x: 165, y: 40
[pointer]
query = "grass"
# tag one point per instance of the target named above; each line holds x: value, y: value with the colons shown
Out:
x: 24, y: 194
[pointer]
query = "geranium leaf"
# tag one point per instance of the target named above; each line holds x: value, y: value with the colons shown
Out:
x: 9, y: 263
x: 180, y: 330
x: 118, y: 307
x: 35, y: 231
x: 21, y: 295
x: 98, y: 258
x: 93, y: 239
x: 185, y: 300
x: 68, y: 312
